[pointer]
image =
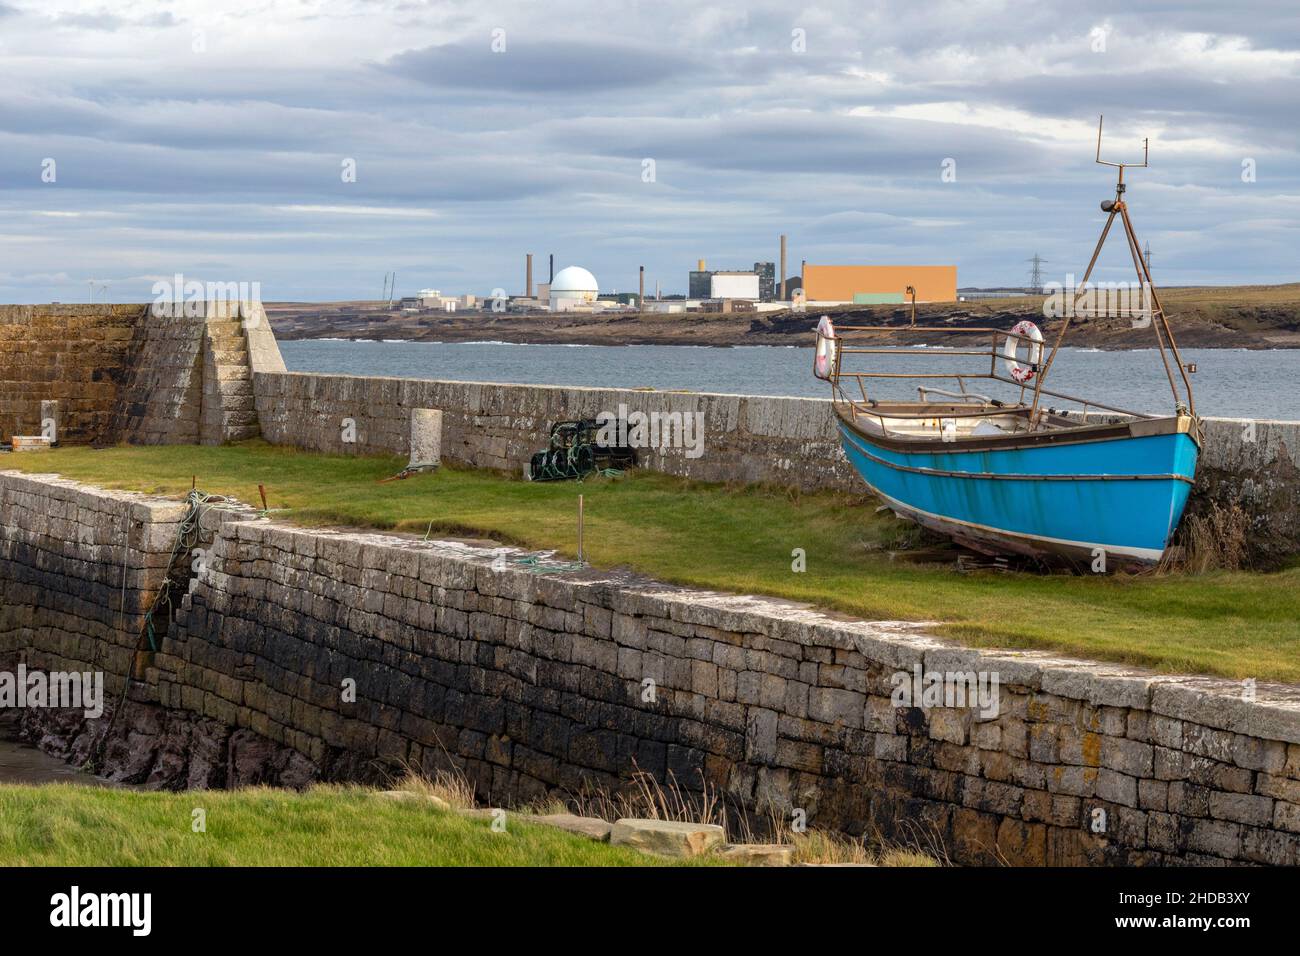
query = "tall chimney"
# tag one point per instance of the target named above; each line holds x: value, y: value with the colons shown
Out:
x: 701, y: 266
x: 782, y: 267
x: 552, y: 278
x: 528, y: 278
x: 640, y: 299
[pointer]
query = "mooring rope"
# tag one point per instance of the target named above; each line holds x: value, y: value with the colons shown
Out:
x: 536, y: 564
x: 189, y: 534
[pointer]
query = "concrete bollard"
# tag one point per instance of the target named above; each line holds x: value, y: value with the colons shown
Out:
x: 426, y: 438
x: 50, y: 420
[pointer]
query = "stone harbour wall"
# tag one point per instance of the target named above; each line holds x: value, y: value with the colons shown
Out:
x: 535, y: 684
x: 120, y: 373
x: 1253, y: 465
x: 76, y: 355
x: 789, y: 441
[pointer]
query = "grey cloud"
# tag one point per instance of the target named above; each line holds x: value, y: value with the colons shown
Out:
x: 107, y: 20
x: 534, y: 66
x: 227, y: 162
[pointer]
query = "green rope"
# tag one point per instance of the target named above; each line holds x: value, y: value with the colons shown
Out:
x: 189, y: 534
x: 534, y: 564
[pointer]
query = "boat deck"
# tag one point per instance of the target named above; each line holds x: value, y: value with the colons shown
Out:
x: 937, y: 421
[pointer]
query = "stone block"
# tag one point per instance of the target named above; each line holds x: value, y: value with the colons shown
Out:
x: 667, y: 837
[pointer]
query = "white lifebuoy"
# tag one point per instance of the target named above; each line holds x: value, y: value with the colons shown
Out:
x: 824, y: 360
x: 1011, y: 356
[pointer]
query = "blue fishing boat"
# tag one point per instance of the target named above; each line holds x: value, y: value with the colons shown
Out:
x: 1087, y: 482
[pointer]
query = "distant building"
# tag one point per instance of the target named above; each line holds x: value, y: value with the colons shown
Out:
x: 572, y: 287
x: 703, y: 283
x: 728, y: 305
x: 734, y: 285
x: 698, y: 285
x: 870, y: 285
x: 667, y: 306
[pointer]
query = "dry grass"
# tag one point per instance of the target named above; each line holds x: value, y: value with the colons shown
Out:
x: 647, y: 798
x: 1216, y: 540
x: 451, y: 787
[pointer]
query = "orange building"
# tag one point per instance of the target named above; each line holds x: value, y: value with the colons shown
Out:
x: 868, y: 285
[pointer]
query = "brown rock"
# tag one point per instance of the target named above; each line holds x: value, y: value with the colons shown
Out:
x: 667, y: 837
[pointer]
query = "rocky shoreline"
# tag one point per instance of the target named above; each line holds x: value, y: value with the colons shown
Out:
x: 1201, y: 319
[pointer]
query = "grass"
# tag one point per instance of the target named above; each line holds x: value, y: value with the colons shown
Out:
x: 740, y: 539
x: 649, y: 798
x: 67, y: 825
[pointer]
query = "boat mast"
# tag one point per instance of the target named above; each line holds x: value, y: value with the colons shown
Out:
x: 1117, y: 207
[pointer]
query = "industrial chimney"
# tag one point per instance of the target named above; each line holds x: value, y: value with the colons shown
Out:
x: 640, y: 298
x: 782, y: 267
x: 552, y: 278
x: 528, y: 278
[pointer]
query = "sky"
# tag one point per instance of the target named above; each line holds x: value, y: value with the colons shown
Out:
x: 313, y: 147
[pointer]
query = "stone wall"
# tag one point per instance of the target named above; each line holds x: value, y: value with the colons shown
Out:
x: 122, y: 373
x: 78, y: 570
x: 785, y: 441
x: 535, y: 684
x: 1254, y: 465
x: 191, y: 379
x: 745, y: 437
x: 77, y: 355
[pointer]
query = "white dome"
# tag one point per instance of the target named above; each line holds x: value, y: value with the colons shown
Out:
x: 573, y: 279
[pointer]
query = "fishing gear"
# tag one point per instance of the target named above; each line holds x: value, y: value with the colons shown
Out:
x: 576, y: 451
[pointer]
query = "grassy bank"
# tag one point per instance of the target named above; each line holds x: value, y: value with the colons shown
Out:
x: 62, y: 825
x: 741, y: 539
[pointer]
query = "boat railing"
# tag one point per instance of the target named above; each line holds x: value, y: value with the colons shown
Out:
x: 963, y: 395
x: 1027, y: 392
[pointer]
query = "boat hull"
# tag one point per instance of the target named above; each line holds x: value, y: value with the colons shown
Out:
x: 1071, y: 498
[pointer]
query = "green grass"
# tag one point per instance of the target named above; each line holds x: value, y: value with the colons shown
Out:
x: 65, y: 825
x: 740, y: 539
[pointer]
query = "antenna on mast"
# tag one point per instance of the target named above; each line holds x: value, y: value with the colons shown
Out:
x: 1152, y: 313
x: 1146, y: 149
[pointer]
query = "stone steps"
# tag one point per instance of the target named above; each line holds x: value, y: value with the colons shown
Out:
x: 229, y: 406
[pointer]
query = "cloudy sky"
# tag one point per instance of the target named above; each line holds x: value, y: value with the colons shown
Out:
x: 214, y: 139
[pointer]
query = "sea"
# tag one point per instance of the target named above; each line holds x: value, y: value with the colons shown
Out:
x: 1231, y: 383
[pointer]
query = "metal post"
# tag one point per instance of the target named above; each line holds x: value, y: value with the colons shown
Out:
x: 580, y: 556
